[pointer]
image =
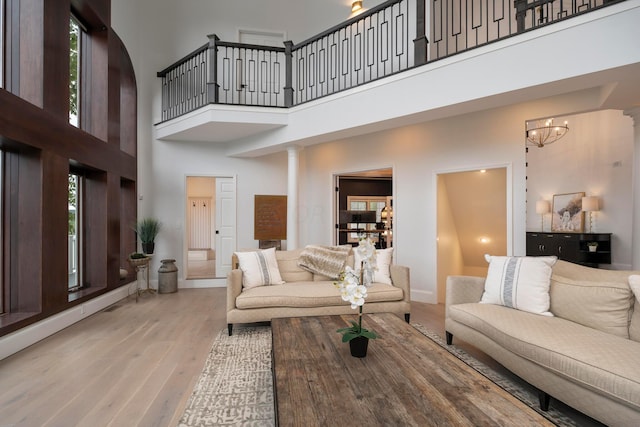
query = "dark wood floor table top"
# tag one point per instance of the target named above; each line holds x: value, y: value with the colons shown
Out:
x: 406, y: 379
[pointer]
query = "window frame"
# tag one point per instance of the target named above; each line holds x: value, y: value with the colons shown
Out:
x: 80, y: 68
x: 79, y: 235
x: 372, y: 204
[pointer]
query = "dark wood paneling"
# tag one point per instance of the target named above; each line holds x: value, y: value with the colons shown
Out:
x: 37, y: 128
x: 113, y: 230
x: 40, y: 146
x: 95, y: 229
x: 97, y: 85
x: 31, y: 73
x: 128, y: 105
x: 114, y: 95
x: 26, y: 233
x: 56, y: 46
x: 55, y: 223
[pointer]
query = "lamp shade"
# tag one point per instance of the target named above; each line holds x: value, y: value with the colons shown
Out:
x: 590, y: 204
x: 543, y: 207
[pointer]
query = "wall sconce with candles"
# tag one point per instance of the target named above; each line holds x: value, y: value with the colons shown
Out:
x: 590, y: 204
x: 543, y: 207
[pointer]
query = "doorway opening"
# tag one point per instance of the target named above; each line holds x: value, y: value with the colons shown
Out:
x: 210, y: 226
x: 472, y: 220
x: 364, y: 202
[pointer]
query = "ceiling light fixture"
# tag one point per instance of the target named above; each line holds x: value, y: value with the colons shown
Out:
x: 356, y: 5
x: 544, y: 133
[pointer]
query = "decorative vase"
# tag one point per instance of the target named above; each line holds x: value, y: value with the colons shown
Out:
x: 358, y: 346
x: 148, y: 248
x: 167, y: 277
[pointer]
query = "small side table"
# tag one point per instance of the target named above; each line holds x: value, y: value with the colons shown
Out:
x: 142, y: 266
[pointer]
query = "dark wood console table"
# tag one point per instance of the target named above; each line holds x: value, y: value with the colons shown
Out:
x: 572, y: 247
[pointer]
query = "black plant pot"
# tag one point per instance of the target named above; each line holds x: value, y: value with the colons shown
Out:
x: 358, y: 346
x: 148, y: 248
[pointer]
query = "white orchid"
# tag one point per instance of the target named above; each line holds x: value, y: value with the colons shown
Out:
x: 353, y: 284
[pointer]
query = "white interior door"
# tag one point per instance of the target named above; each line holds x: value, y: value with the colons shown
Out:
x: 225, y: 224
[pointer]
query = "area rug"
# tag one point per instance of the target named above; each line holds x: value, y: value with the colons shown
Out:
x: 236, y: 386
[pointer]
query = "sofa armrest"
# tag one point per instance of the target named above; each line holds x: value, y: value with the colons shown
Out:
x: 400, y: 278
x: 463, y: 289
x: 234, y: 288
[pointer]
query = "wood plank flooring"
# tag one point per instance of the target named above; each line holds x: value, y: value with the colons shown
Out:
x: 133, y: 364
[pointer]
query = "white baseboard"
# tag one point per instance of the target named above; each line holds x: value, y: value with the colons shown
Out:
x: 423, y: 296
x: 23, y: 338
x: 202, y: 283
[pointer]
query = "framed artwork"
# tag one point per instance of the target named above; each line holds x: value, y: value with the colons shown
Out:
x: 567, y: 215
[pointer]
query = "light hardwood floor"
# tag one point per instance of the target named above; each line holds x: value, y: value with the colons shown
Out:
x: 133, y: 364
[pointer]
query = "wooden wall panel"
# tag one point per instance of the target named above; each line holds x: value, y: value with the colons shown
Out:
x: 40, y: 146
x: 54, y: 218
x: 56, y: 46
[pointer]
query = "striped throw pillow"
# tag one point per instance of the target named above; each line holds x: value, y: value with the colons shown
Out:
x: 259, y: 268
x: 519, y: 282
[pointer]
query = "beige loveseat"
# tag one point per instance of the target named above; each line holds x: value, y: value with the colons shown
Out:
x: 587, y: 355
x: 308, y: 294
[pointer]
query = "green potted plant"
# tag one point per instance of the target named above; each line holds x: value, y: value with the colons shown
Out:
x: 147, y: 230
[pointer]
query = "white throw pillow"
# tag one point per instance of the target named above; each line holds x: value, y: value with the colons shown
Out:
x: 383, y: 262
x: 519, y: 282
x: 259, y: 268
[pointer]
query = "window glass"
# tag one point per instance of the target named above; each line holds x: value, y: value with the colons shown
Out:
x: 366, y: 229
x: 74, y: 238
x: 74, y: 71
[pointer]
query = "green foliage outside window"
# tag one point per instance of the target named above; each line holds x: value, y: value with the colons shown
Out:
x: 74, y: 53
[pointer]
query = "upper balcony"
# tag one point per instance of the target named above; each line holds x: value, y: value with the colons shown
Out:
x: 227, y: 91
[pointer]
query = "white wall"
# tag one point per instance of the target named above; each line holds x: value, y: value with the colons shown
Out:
x: 157, y: 32
x: 450, y: 259
x: 417, y: 154
x: 595, y: 156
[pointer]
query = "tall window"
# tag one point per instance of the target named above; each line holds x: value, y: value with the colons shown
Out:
x: 74, y: 241
x: 74, y: 70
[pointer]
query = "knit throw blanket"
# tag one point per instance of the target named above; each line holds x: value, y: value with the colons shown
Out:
x: 325, y: 260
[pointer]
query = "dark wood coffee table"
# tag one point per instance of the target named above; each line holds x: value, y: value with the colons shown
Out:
x: 406, y: 379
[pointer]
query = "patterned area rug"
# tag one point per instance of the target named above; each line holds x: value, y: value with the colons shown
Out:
x: 236, y: 387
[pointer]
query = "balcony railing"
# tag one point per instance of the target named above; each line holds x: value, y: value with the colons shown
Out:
x: 389, y: 38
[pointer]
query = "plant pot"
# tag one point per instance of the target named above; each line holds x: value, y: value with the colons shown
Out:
x: 148, y: 248
x: 358, y: 346
x: 593, y: 248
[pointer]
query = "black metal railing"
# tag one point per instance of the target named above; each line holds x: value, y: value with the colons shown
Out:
x: 363, y: 49
x: 385, y: 40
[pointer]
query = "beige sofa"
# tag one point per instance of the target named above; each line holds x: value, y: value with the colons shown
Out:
x: 587, y: 355
x: 308, y: 294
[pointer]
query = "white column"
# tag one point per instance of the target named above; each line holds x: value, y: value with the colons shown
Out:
x: 634, y: 113
x: 292, y: 198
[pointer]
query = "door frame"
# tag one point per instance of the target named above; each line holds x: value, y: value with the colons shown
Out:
x: 202, y: 283
x: 440, y: 291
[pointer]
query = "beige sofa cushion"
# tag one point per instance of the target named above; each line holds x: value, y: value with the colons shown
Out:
x: 634, y: 325
x: 602, y: 305
x: 288, y: 266
x: 602, y: 362
x: 309, y: 294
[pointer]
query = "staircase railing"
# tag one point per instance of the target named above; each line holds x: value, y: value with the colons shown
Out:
x: 385, y: 40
